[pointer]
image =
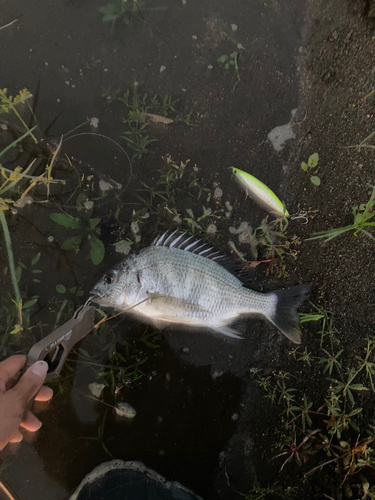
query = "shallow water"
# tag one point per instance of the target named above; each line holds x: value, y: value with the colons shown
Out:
x: 185, y: 412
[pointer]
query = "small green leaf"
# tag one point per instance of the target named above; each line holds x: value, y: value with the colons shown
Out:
x: 80, y: 293
x: 222, y: 59
x: 304, y: 166
x: 29, y: 303
x: 5, y: 270
x: 315, y: 180
x: 226, y: 66
x: 73, y: 289
x: 97, y: 250
x: 94, y: 222
x: 60, y: 289
x: 122, y: 243
x: 65, y: 220
x: 36, y: 271
x: 18, y: 273
x: 21, y: 264
x: 35, y: 280
x: 233, y: 55
x: 313, y: 160
x: 16, y: 330
x: 72, y: 243
x: 35, y: 259
x: 81, y: 198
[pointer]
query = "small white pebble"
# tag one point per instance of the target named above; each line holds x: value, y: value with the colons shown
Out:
x: 94, y: 122
x: 124, y: 249
x: 67, y: 82
x: 46, y: 63
x: 106, y: 69
x: 73, y: 86
x: 134, y: 227
x: 27, y: 200
x: 159, y: 420
x: 185, y: 350
x: 125, y: 410
x: 209, y: 66
x: 58, y: 99
x: 50, y: 239
x: 218, y: 193
x: 212, y: 229
x: 3, y: 126
x: 183, y: 90
x: 234, y: 27
x: 216, y: 374
x: 162, y: 68
x: 234, y: 416
x: 138, y: 238
x: 88, y: 204
x: 194, y: 37
x: 167, y: 377
x: 229, y: 206
x: 96, y: 389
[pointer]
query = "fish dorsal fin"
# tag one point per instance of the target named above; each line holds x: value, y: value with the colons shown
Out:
x: 183, y: 241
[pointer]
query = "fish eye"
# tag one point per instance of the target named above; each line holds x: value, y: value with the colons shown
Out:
x: 110, y: 277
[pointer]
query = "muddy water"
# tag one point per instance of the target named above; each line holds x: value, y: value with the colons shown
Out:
x: 187, y: 408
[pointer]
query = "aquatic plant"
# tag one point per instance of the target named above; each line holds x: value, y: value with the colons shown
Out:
x: 328, y: 429
x: 139, y: 111
x: 86, y: 228
x: 121, y: 9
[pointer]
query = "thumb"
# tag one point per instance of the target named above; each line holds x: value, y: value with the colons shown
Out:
x: 30, y: 382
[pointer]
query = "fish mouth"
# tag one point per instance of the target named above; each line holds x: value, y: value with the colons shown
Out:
x: 95, y: 295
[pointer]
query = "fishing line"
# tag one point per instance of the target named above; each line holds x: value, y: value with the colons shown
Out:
x: 301, y: 216
x: 114, y: 142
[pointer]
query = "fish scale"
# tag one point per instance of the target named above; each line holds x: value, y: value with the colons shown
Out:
x: 177, y: 280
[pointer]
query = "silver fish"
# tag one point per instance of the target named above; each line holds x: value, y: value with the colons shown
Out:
x: 180, y: 280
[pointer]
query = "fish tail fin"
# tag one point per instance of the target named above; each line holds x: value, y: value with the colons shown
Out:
x: 283, y: 312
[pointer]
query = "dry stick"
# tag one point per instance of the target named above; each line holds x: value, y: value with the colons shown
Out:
x: 12, y: 270
x: 9, y: 24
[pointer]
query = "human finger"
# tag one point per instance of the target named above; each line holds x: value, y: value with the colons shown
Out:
x: 30, y: 382
x: 16, y: 437
x: 9, y: 368
x: 31, y: 422
x: 45, y: 394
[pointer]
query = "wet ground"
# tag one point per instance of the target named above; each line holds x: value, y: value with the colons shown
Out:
x: 196, y: 385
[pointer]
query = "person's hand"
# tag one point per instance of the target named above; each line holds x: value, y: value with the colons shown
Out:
x: 13, y: 402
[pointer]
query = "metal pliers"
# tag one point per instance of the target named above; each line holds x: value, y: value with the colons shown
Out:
x: 55, y: 347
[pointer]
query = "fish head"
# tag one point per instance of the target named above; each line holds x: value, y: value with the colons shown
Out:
x: 119, y: 287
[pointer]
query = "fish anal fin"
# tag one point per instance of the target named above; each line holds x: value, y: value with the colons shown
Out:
x: 234, y: 330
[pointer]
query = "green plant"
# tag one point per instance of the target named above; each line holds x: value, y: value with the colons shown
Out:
x: 8, y: 105
x: 100, y: 436
x: 362, y: 215
x: 138, y: 109
x: 85, y: 226
x: 310, y: 167
x: 330, y: 428
x: 230, y: 61
x: 125, y: 9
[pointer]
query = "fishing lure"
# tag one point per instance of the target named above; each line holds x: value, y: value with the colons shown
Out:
x: 260, y: 193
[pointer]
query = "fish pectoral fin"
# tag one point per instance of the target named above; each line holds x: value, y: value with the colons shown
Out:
x: 235, y: 331
x: 167, y: 303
